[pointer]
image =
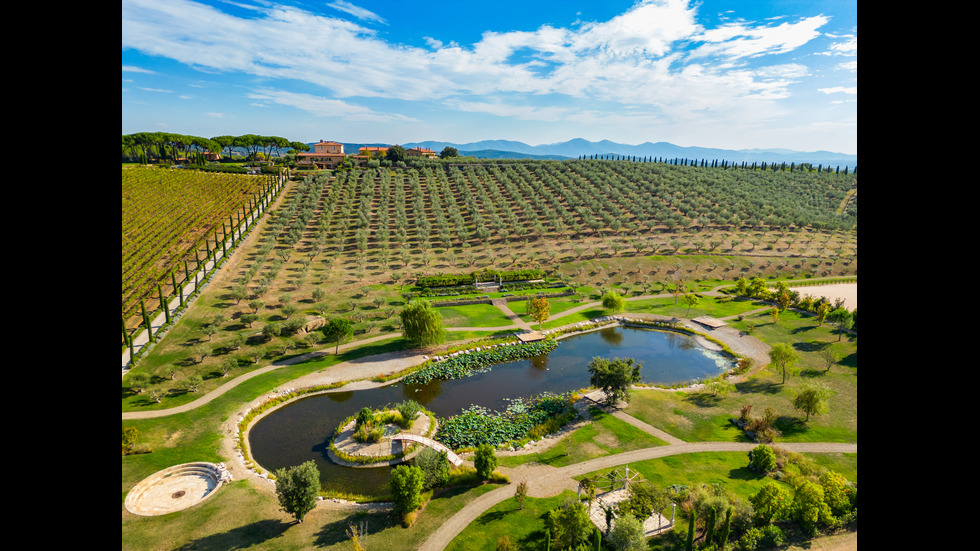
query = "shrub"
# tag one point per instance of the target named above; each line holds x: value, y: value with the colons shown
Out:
x: 485, y: 461
x: 365, y: 417
x: 406, y: 484
x: 368, y: 434
x: 762, y: 459
x: 408, y: 409
x: 435, y: 467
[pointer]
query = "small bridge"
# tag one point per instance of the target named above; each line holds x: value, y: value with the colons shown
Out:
x: 453, y: 458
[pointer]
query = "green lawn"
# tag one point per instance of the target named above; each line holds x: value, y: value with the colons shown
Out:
x: 473, y: 315
x: 605, y: 435
x: 702, y: 417
x: 523, y: 527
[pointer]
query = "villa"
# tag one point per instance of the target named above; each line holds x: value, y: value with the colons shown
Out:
x: 324, y: 155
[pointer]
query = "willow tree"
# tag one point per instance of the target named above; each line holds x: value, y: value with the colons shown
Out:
x: 422, y: 324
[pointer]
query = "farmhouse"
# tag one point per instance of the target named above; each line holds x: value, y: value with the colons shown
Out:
x: 421, y: 152
x: 324, y: 155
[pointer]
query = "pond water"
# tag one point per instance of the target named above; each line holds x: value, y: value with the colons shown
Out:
x: 301, y: 430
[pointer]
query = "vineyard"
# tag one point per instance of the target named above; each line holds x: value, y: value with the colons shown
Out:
x: 170, y: 221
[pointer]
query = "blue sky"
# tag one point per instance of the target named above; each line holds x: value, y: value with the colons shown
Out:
x: 732, y: 74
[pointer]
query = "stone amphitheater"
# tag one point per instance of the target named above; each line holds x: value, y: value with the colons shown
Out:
x: 176, y: 488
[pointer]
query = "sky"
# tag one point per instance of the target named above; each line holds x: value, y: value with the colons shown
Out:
x: 729, y: 74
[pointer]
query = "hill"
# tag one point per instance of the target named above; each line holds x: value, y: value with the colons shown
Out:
x: 579, y: 147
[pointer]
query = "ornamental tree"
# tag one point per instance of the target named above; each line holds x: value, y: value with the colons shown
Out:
x: 406, y: 485
x: 539, y: 308
x: 614, y: 377
x: 422, y: 324
x: 613, y: 302
x: 485, y: 461
x: 771, y: 503
x: 297, y: 489
x: 782, y: 357
x: 812, y: 399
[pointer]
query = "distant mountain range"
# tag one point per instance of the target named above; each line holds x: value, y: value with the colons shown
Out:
x: 578, y: 147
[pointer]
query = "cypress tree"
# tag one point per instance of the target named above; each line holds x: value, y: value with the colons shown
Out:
x: 726, y: 529
x: 598, y: 540
x: 690, y: 530
x: 146, y: 322
x: 163, y: 303
x: 709, y: 529
x: 125, y: 333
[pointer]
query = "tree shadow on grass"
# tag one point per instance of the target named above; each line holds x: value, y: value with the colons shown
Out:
x: 758, y: 387
x: 336, y: 532
x: 791, y: 426
x: 491, y: 516
x: 744, y: 473
x: 703, y: 399
x: 242, y: 537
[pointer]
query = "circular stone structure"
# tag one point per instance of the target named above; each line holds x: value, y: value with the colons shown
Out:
x: 175, y: 488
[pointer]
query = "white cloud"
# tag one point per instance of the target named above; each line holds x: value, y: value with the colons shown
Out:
x: 156, y: 90
x: 356, y: 11
x: 520, y: 112
x: 326, y: 107
x: 739, y: 40
x: 132, y: 69
x: 839, y: 90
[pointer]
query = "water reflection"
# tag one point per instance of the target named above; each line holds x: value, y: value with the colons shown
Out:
x: 611, y: 336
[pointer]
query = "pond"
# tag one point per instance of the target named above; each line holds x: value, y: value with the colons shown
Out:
x: 302, y: 430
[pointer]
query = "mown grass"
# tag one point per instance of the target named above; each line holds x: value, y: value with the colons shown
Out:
x: 698, y: 416
x: 473, y: 315
x: 604, y: 435
x: 524, y: 527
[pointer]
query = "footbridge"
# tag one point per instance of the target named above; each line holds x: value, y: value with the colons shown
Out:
x: 453, y: 458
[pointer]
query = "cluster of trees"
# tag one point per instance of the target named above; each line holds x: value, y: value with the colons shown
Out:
x: 783, y: 297
x: 717, y: 163
x: 428, y: 470
x: 815, y: 498
x: 160, y: 146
